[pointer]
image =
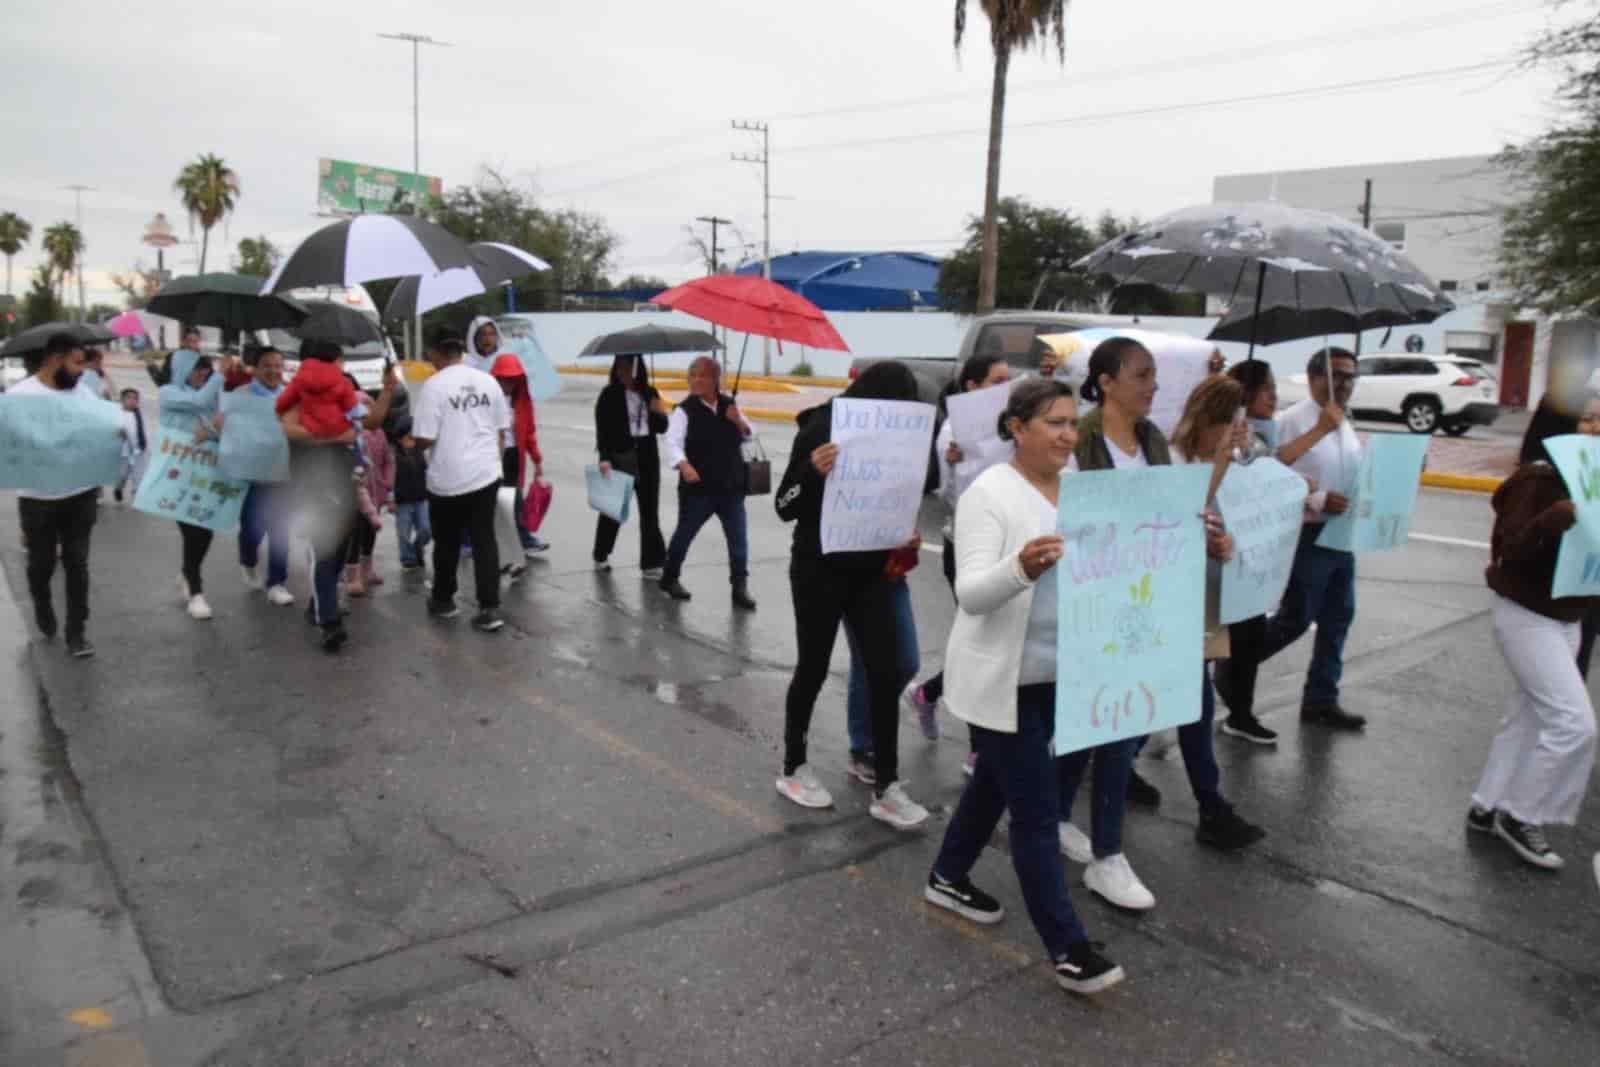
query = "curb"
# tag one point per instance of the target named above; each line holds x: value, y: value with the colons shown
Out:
x: 769, y: 414
x: 1472, y: 483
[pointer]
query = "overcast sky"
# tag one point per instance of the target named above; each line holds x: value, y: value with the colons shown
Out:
x: 622, y: 108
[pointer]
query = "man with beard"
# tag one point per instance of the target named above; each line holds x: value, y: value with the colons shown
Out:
x: 58, y: 522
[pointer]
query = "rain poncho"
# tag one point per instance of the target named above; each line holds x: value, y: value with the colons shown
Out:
x: 474, y: 358
x: 181, y: 405
x: 524, y: 433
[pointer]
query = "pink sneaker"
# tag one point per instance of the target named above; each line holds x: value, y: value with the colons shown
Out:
x: 926, y: 711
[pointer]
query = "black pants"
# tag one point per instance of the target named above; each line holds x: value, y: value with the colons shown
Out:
x: 647, y: 490
x: 1246, y: 641
x: 196, y: 543
x: 62, y: 526
x: 363, y: 540
x: 468, y: 514
x: 823, y: 596
x: 933, y: 688
x: 1591, y: 623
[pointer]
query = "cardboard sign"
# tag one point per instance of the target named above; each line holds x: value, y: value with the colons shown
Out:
x: 58, y: 442
x: 1383, y: 497
x: 1262, y: 504
x: 1577, y: 457
x: 610, y: 494
x: 871, y: 497
x: 184, y: 482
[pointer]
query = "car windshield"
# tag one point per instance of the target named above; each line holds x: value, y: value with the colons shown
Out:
x: 289, y: 345
x: 1018, y: 342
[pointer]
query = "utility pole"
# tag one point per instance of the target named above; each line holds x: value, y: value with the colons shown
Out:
x: 417, y: 40
x: 77, y: 192
x: 715, y: 222
x: 765, y: 162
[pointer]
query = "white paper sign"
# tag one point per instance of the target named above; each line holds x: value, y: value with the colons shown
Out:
x: 975, y: 416
x: 871, y: 497
x: 1181, y: 363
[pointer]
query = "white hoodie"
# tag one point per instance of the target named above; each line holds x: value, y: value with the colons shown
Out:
x: 474, y: 358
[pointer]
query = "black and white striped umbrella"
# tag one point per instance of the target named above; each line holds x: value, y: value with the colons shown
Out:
x: 492, y: 264
x: 366, y: 248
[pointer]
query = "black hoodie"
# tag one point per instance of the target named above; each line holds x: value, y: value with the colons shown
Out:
x: 799, y: 498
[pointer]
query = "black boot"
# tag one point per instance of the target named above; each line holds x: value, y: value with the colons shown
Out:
x: 741, y: 595
x: 674, y: 588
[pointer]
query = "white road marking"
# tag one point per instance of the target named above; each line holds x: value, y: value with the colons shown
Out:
x: 1459, y: 542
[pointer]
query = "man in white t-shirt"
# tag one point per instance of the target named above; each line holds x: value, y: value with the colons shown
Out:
x: 1317, y: 441
x: 460, y: 417
x: 55, y: 523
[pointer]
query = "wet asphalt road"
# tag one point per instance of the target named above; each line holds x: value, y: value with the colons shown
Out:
x: 561, y: 844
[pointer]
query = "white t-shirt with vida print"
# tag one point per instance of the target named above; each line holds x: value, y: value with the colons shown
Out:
x: 463, y: 412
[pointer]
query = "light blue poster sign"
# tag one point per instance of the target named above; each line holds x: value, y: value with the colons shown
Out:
x: 610, y: 494
x: 253, y: 447
x: 1262, y: 504
x: 1385, y: 494
x: 58, y: 442
x: 184, y: 482
x: 1131, y: 613
x: 543, y: 381
x: 1577, y: 457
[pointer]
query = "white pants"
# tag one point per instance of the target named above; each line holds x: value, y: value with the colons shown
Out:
x: 1539, y: 764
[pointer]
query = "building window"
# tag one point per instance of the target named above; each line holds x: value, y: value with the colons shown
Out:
x: 1393, y: 232
x: 1448, y: 285
x: 1483, y: 287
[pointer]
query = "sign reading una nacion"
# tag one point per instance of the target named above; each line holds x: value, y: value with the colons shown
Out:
x: 354, y: 188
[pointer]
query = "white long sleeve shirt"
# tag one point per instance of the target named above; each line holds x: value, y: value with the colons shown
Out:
x: 678, y: 429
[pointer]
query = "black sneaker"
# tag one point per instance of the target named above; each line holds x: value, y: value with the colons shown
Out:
x: 1141, y: 792
x: 1224, y: 829
x: 1332, y: 716
x: 443, y: 609
x: 674, y: 589
x: 1480, y: 819
x: 333, y: 637
x: 45, y: 619
x: 1084, y: 970
x: 741, y: 597
x: 963, y: 898
x: 1248, y: 728
x: 487, y: 621
x: 79, y: 647
x: 1527, y: 841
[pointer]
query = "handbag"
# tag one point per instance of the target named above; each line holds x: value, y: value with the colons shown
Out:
x: 757, y: 468
x: 535, y: 503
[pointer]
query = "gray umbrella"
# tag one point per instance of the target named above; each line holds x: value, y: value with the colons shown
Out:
x: 1271, y: 256
x: 1272, y: 325
x: 34, y: 338
x: 650, y: 339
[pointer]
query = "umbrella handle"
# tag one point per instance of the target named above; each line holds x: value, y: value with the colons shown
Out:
x: 1255, y: 320
x: 740, y: 372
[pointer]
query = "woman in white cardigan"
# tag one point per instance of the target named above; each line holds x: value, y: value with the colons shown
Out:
x: 1000, y: 671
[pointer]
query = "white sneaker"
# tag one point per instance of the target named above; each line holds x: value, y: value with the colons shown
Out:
x: 1075, y: 844
x: 1114, y: 881
x: 803, y: 788
x: 897, y: 809
x: 280, y: 596
x: 198, y: 608
x: 251, y: 579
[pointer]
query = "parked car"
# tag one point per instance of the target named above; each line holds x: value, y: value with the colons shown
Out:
x: 1426, y: 392
x: 1011, y: 333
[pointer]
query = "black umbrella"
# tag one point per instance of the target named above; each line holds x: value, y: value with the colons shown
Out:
x: 1270, y: 256
x: 1273, y: 325
x: 336, y: 323
x: 34, y: 338
x: 492, y: 264
x: 227, y: 301
x: 368, y: 247
x: 652, y: 339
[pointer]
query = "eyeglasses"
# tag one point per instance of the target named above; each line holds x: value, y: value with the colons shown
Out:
x: 1344, y: 378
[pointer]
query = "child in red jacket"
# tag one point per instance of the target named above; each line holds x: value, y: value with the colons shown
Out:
x: 325, y: 397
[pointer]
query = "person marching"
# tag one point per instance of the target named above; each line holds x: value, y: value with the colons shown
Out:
x: 1539, y: 764
x: 704, y: 437
x: 57, y: 523
x: 1000, y: 674
x: 135, y: 446
x: 484, y: 352
x: 520, y: 449
x: 266, y: 511
x: 190, y: 402
x: 827, y: 589
x: 628, y: 415
x: 410, y: 497
x: 1315, y: 439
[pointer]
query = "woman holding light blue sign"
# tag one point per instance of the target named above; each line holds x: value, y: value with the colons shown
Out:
x: 266, y: 513
x: 1539, y: 764
x: 628, y: 416
x: 189, y: 405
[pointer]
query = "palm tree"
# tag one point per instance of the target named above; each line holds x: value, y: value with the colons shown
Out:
x: 62, y: 243
x: 1014, y: 25
x: 14, y: 233
x: 208, y: 190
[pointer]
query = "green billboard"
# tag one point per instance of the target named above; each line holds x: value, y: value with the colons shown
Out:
x: 346, y: 188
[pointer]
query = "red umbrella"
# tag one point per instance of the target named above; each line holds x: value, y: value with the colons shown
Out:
x: 751, y: 304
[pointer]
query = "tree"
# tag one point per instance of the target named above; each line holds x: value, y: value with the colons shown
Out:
x: 1550, y: 232
x: 39, y: 304
x: 257, y: 255
x: 14, y: 233
x: 702, y: 246
x: 209, y: 191
x: 62, y: 244
x: 1014, y: 25
x: 138, y: 285
x: 102, y: 312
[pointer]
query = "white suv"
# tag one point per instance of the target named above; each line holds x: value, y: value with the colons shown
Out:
x: 1425, y: 392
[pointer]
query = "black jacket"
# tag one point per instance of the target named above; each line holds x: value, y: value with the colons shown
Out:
x: 799, y: 498
x: 613, y: 435
x: 410, y: 475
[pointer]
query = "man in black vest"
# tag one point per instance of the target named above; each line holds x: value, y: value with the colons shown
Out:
x: 704, y: 436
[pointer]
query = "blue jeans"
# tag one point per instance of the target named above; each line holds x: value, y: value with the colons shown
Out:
x: 325, y: 584
x: 1015, y: 773
x: 411, y: 529
x: 908, y: 661
x: 1108, y: 795
x: 265, y: 514
x: 1322, y: 589
x: 1198, y: 744
x: 694, y: 511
